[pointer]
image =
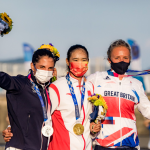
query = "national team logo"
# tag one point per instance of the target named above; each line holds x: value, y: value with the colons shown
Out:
x: 107, y: 78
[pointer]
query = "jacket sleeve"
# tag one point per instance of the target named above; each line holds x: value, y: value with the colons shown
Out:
x: 144, y: 103
x: 54, y: 97
x: 11, y: 83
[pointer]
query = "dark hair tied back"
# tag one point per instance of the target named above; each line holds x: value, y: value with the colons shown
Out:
x: 40, y: 53
x: 73, y: 48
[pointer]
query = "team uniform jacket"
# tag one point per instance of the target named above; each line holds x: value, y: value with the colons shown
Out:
x: 25, y: 112
x: 122, y: 96
x: 63, y: 115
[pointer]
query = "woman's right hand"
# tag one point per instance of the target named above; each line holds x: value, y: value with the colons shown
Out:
x: 7, y: 135
x: 94, y: 128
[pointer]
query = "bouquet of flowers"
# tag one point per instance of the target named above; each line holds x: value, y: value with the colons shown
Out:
x: 5, y: 24
x: 100, y: 107
x: 52, y: 49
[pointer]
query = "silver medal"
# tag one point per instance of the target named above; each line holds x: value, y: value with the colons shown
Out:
x: 47, y: 130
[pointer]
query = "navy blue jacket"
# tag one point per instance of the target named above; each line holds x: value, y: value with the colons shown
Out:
x: 24, y: 111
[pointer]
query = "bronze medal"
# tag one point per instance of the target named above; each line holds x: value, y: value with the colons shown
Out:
x: 78, y: 129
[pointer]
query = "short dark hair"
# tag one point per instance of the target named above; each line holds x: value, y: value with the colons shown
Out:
x: 40, y: 53
x: 117, y: 43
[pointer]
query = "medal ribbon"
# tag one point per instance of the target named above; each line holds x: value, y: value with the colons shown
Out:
x: 40, y: 97
x: 144, y: 72
x: 74, y: 96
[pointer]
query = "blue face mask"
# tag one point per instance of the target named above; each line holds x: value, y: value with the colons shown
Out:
x: 120, y: 67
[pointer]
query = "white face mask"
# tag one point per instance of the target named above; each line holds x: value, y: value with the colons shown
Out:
x: 43, y: 76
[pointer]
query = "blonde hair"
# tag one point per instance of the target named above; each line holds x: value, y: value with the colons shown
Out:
x: 118, y: 43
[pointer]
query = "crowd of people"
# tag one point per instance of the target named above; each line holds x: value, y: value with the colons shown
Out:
x: 49, y: 115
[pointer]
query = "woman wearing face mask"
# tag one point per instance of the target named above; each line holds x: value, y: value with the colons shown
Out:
x: 70, y: 107
x: 122, y: 93
x: 29, y: 104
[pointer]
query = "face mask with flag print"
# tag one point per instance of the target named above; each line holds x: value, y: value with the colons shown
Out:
x: 78, y: 68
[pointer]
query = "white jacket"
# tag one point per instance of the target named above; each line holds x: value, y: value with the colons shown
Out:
x: 63, y: 116
x: 122, y: 96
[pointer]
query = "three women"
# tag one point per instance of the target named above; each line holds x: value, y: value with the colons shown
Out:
x: 122, y: 93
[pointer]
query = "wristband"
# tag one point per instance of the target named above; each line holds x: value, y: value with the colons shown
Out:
x: 8, y: 126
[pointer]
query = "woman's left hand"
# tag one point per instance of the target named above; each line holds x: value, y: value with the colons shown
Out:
x: 95, y: 127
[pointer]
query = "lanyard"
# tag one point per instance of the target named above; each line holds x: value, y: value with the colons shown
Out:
x: 144, y: 72
x: 74, y: 96
x: 40, y: 97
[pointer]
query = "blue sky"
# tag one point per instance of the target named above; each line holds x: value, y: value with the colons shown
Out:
x: 94, y: 24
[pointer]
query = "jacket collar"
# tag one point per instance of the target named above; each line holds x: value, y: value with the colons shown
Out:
x: 74, y: 80
x: 125, y: 80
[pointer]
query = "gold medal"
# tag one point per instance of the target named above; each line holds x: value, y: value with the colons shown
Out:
x: 78, y: 129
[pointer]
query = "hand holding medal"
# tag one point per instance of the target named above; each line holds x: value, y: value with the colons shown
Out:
x: 100, y: 107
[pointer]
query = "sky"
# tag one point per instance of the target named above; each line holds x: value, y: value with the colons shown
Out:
x: 92, y: 23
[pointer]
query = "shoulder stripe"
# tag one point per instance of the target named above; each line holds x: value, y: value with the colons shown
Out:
x: 57, y: 92
x: 92, y: 86
x: 137, y: 96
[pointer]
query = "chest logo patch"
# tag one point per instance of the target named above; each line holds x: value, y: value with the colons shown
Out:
x: 107, y: 78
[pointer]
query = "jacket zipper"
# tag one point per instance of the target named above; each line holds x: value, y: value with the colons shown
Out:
x: 45, y: 98
x: 27, y: 124
x: 120, y: 114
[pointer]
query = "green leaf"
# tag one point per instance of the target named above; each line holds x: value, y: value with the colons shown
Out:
x: 53, y: 79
